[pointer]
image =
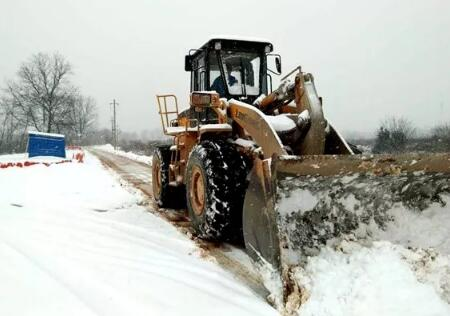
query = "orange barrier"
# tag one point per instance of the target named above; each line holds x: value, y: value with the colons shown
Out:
x: 78, y: 156
x: 30, y: 163
x: 74, y: 147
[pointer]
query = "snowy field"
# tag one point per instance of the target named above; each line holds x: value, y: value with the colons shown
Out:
x: 75, y: 241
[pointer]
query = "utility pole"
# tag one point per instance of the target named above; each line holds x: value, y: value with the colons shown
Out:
x: 114, y: 123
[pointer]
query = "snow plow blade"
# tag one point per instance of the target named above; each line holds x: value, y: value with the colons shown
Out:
x: 295, y: 205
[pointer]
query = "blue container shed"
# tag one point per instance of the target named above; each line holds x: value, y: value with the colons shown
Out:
x: 46, y: 144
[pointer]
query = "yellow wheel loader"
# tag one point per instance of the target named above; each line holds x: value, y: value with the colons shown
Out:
x: 267, y: 168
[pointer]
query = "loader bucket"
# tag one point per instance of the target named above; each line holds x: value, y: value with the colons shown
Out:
x: 295, y: 205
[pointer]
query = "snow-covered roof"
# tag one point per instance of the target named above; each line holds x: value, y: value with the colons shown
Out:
x: 45, y: 134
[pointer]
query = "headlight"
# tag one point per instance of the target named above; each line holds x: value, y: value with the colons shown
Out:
x: 204, y: 98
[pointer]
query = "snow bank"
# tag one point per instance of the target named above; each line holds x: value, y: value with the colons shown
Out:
x: 129, y: 154
x: 22, y: 157
x: 398, y: 260
x: 355, y: 280
x: 73, y: 241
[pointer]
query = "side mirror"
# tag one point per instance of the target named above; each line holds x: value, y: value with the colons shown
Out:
x: 188, y: 63
x: 278, y: 64
x: 271, y: 60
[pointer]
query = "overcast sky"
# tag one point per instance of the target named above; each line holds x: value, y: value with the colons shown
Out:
x: 370, y: 59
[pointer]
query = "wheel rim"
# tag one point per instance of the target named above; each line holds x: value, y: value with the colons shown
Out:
x: 197, y: 192
x: 156, y: 179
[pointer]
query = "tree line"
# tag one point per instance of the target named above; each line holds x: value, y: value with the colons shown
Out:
x: 43, y: 98
x: 398, y: 135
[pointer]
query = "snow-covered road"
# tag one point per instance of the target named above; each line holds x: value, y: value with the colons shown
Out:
x: 75, y: 241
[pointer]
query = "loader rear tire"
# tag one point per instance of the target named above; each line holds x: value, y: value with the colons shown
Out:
x: 216, y: 181
x: 165, y: 195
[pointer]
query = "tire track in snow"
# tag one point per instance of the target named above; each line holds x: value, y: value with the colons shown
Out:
x: 227, y: 256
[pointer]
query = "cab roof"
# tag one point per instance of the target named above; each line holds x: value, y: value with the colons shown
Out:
x: 235, y: 42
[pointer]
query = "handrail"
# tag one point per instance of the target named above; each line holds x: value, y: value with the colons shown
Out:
x: 164, y: 112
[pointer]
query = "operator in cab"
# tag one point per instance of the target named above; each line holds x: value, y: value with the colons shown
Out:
x: 218, y: 84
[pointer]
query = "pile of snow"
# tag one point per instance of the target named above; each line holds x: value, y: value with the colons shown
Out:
x: 377, y: 280
x: 129, y: 154
x: 281, y: 123
x: 370, y: 252
x: 429, y: 228
x: 365, y: 149
x: 75, y: 241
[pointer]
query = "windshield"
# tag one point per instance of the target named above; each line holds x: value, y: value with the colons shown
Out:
x: 242, y: 73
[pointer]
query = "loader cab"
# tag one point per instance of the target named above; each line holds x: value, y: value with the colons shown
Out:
x: 234, y: 68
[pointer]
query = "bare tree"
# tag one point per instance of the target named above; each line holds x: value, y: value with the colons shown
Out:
x: 440, y: 137
x: 42, y: 93
x: 43, y: 98
x: 11, y: 139
x: 393, y: 135
x: 4, y: 117
x: 82, y: 117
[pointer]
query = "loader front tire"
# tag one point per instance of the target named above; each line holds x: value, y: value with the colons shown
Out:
x: 165, y: 195
x: 215, y: 189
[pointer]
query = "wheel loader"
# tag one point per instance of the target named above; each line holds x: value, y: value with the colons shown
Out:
x: 264, y: 166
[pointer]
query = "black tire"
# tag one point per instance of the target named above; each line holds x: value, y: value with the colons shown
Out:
x: 165, y: 195
x: 223, y: 172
